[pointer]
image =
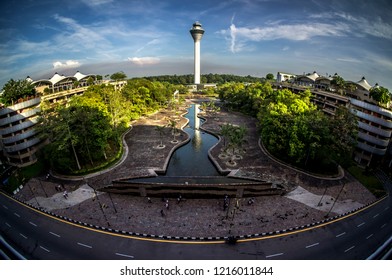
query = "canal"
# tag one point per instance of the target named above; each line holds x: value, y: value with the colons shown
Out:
x: 192, y: 158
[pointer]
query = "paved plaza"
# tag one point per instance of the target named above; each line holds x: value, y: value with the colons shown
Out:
x: 308, y: 199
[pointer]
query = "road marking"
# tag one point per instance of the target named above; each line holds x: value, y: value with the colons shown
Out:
x: 383, y: 225
x: 24, y: 236
x: 84, y: 245
x: 55, y: 234
x: 17, y: 215
x: 8, y: 224
x: 31, y: 223
x: 369, y: 236
x: 375, y: 216
x: 274, y: 255
x: 312, y: 245
x: 361, y: 224
x: 352, y: 247
x: 386, y: 208
x: 5, y: 207
x: 341, y: 234
x: 123, y: 255
x: 43, y: 248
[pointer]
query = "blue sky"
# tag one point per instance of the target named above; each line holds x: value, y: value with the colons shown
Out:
x: 245, y: 37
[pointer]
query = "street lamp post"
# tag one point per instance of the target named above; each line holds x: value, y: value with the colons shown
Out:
x: 40, y: 183
x: 344, y: 183
x: 36, y: 200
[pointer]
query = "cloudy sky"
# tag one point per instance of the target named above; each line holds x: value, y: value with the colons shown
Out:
x: 149, y: 37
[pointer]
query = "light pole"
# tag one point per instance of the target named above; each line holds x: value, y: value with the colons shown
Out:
x: 344, y: 183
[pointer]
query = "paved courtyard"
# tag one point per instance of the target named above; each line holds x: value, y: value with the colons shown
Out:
x: 309, y: 199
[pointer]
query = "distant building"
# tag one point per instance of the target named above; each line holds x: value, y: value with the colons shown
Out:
x: 60, y: 82
x: 284, y: 77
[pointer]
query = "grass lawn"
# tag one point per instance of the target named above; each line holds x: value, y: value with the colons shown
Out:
x: 24, y: 174
x: 368, y: 180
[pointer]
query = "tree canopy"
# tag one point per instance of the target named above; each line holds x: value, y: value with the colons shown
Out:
x: 86, y: 133
x: 16, y: 90
x: 292, y: 128
x: 205, y: 79
x: 118, y: 76
x: 380, y: 94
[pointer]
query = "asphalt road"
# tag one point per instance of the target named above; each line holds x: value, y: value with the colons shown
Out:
x: 41, y: 236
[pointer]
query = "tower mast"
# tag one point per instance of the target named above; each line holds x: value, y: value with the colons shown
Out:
x: 197, y: 33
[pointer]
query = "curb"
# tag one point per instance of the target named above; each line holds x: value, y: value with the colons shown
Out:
x: 242, y: 238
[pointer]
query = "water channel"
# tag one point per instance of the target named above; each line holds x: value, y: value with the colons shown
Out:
x: 192, y: 158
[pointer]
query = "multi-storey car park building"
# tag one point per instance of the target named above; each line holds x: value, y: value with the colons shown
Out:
x: 374, y: 121
x: 18, y: 139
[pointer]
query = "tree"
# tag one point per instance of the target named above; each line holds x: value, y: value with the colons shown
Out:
x: 294, y: 130
x: 338, y: 83
x: 118, y: 76
x: 15, y: 90
x: 380, y: 94
x: 343, y: 130
x: 225, y: 133
x: 237, y: 137
x: 161, y: 131
x: 269, y: 76
x: 78, y: 134
x: 173, y: 126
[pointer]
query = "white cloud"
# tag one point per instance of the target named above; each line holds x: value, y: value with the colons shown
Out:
x: 95, y: 3
x: 147, y: 60
x: 349, y: 59
x: 360, y: 26
x: 67, y: 64
x: 150, y: 43
x: 294, y: 32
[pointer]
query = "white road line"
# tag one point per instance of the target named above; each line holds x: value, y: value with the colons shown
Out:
x: 55, y: 234
x: 341, y: 234
x: 5, y: 207
x: 369, y: 236
x: 274, y: 255
x: 84, y: 245
x: 17, y: 215
x: 8, y: 225
x: 43, y: 248
x: 124, y: 255
x: 312, y: 245
x: 24, y: 236
x: 386, y: 208
x: 361, y: 224
x: 383, y: 225
x: 375, y: 216
x: 352, y: 247
x: 31, y: 223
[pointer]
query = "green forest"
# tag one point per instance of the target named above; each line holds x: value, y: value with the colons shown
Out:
x: 292, y: 128
x: 84, y: 134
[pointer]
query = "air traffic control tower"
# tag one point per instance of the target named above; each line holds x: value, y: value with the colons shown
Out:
x: 197, y: 33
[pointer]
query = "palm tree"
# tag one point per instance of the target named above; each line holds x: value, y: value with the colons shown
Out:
x: 161, y: 131
x: 225, y: 133
x: 173, y: 125
x: 237, y: 137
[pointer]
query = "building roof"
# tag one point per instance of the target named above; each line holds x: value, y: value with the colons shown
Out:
x: 364, y: 84
x: 313, y: 76
x: 56, y: 78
